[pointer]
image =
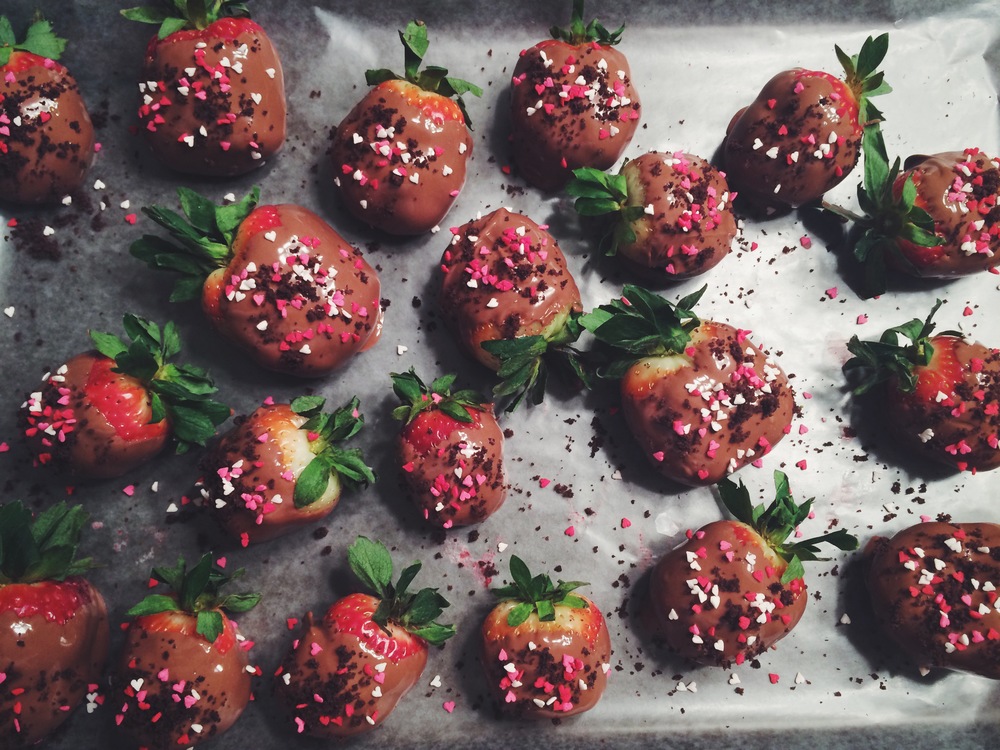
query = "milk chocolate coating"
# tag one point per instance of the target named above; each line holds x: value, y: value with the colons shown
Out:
x: 201, y: 688
x: 959, y: 189
x: 562, y: 665
x: 50, y: 145
x: 455, y: 476
x: 65, y: 428
x: 504, y: 277
x: 52, y: 659
x: 249, y: 483
x: 297, y: 318
x: 359, y: 680
x: 399, y: 158
x: 933, y: 589
x: 963, y: 429
x: 797, y: 149
x: 571, y: 107
x: 688, y: 225
x: 708, y: 603
x: 198, y: 123
x: 726, y: 405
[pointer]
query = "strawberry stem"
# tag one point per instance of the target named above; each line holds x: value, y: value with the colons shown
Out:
x: 417, y: 612
x: 579, y: 33
x: 779, y: 521
x: 416, y: 397
x: 175, y: 15
x: 536, y: 594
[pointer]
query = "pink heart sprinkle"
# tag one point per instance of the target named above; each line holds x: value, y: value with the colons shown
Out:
x: 449, y: 706
x: 702, y: 473
x: 3, y: 677
x: 163, y: 675
x: 259, y: 299
x: 380, y: 678
x: 510, y: 697
x: 189, y: 700
x: 221, y: 562
x: 315, y: 648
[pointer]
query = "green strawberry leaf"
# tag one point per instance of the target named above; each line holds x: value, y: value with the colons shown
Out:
x: 876, y: 362
x: 536, y: 594
x: 416, y: 397
x: 372, y: 563
x: 153, y: 604
x: 778, y: 521
x: 433, y: 633
x: 41, y: 40
x: 433, y: 78
x: 312, y: 482
x: 197, y: 592
x: 174, y: 15
x: 43, y: 548
x: 578, y: 33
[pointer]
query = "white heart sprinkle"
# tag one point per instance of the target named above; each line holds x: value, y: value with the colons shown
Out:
x: 9, y: 311
x: 271, y: 236
x: 256, y: 97
x: 136, y: 683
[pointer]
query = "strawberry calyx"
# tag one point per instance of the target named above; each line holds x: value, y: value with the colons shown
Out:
x: 196, y: 592
x: 875, y: 362
x: 778, y: 521
x: 432, y: 78
x: 178, y: 393
x: 415, y: 612
x: 417, y: 397
x: 890, y: 215
x: 863, y: 78
x: 580, y: 33
x: 642, y: 324
x: 202, y: 239
x: 38, y: 40
x: 326, y: 430
x: 598, y: 193
x: 43, y: 548
x: 537, y: 594
x: 175, y: 15
x: 525, y: 363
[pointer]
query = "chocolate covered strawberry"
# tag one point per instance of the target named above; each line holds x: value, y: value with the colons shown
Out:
x: 802, y: 134
x: 105, y: 412
x: 213, y: 94
x: 46, y: 136
x: 183, y: 676
x: 699, y: 397
x: 933, y: 588
x: 545, y: 650
x: 451, y: 451
x: 936, y: 218
x: 735, y: 588
x: 282, y: 468
x: 572, y: 103
x: 508, y: 295
x: 278, y: 281
x: 346, y: 673
x: 670, y: 216
x: 53, y: 623
x: 941, y: 393
x: 399, y: 157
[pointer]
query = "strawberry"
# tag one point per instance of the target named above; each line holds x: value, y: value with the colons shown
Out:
x: 183, y: 675
x: 53, y: 623
x: 399, y: 157
x: 105, y: 412
x: 936, y: 218
x: 802, y: 135
x: 933, y: 591
x: 699, y: 397
x: 276, y: 280
x: 573, y: 103
x: 941, y: 393
x: 670, y: 215
x: 46, y: 136
x: 451, y: 451
x: 345, y: 674
x: 213, y: 94
x: 545, y: 650
x: 281, y: 468
x: 733, y: 589
x: 509, y: 296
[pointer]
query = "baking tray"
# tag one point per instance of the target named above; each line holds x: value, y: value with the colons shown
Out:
x: 694, y: 64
